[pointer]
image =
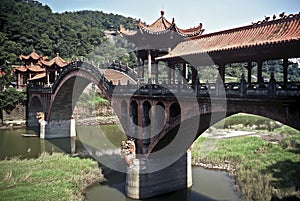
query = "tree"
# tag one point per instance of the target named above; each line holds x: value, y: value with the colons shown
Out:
x: 9, y: 96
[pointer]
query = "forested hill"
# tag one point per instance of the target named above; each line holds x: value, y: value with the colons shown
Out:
x: 27, y: 25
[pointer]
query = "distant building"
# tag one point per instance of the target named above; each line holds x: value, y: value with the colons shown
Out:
x: 37, y: 70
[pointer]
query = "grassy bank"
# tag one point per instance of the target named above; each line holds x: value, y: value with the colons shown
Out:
x: 263, y: 170
x: 55, y: 177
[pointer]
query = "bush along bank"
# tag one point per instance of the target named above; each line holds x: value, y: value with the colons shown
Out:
x: 50, y: 177
x: 262, y: 170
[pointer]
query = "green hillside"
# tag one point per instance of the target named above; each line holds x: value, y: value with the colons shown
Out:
x: 27, y: 25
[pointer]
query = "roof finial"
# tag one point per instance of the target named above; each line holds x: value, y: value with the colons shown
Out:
x: 162, y: 12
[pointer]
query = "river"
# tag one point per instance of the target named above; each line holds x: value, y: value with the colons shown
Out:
x: 207, y: 184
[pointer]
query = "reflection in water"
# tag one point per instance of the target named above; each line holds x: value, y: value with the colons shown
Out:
x: 207, y: 184
x: 13, y: 144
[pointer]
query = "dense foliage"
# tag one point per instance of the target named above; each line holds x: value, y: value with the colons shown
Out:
x: 9, y: 96
x: 27, y: 25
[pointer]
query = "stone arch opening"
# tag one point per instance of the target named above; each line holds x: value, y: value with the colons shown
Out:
x: 133, y: 117
x: 175, y: 111
x: 124, y: 112
x: 146, y: 124
x: 34, y: 106
x: 159, y: 117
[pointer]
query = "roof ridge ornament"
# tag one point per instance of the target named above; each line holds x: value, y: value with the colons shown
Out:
x: 281, y: 16
x: 162, y: 12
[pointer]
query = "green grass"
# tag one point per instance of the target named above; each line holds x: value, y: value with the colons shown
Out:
x: 263, y: 170
x: 50, y: 177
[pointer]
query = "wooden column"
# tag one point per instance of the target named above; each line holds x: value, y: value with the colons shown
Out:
x: 169, y: 73
x: 149, y: 64
x: 48, y: 79
x: 184, y: 70
x: 156, y: 72
x: 143, y: 69
x: 138, y: 64
x: 259, y: 71
x: 222, y: 71
x: 249, y: 68
x: 19, y: 79
x: 179, y: 75
x: 194, y: 75
x: 285, y: 70
x: 174, y: 74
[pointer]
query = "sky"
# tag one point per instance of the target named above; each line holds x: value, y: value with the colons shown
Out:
x: 215, y: 15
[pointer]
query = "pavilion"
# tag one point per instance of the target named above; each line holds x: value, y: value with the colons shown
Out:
x: 156, y: 40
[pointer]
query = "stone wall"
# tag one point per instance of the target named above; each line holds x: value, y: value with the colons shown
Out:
x: 19, y: 113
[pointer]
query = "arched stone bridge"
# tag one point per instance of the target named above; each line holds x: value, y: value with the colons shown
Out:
x: 154, y: 113
x: 132, y: 101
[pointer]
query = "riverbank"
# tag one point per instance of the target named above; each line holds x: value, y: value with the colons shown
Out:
x: 262, y: 170
x: 13, y: 124
x: 99, y: 120
x: 50, y: 177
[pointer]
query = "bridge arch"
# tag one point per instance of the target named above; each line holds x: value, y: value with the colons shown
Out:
x: 210, y: 116
x: 34, y: 106
x: 174, y: 111
x: 160, y: 117
x: 68, y: 87
x: 73, y: 80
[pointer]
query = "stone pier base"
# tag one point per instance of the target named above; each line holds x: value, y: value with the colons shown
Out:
x: 58, y: 129
x: 175, y: 177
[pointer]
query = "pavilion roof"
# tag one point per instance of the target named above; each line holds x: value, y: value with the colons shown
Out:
x: 58, y: 61
x: 263, y: 33
x: 162, y: 26
x: 32, y: 67
x: 35, y: 68
x: 21, y: 69
x: 33, y: 55
x: 38, y: 76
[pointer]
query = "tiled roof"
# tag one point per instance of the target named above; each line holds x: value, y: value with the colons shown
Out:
x: 21, y: 69
x: 32, y: 55
x: 38, y: 76
x: 162, y: 26
x: 35, y: 68
x: 278, y: 31
x: 32, y: 68
x: 55, y: 61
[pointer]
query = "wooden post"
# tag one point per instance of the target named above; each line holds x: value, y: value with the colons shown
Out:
x: 19, y: 80
x: 48, y: 80
x: 249, y: 68
x: 222, y: 71
x: 174, y: 74
x: 156, y: 72
x: 184, y: 70
x: 149, y: 65
x: 285, y: 70
x: 259, y: 71
x: 169, y: 73
x: 194, y: 75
